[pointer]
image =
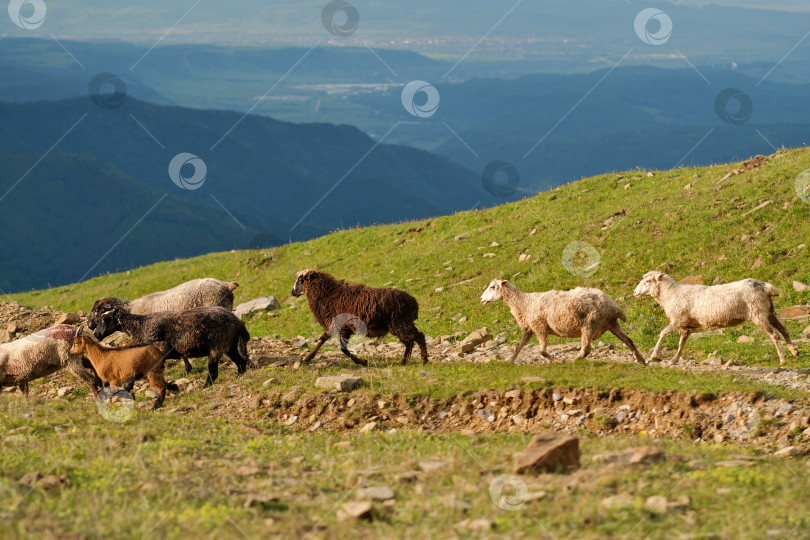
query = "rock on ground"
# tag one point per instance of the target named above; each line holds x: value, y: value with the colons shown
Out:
x: 633, y: 456
x: 344, y: 383
x: 265, y: 303
x: 548, y: 451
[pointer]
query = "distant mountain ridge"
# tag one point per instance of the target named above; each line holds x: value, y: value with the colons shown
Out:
x: 282, y: 180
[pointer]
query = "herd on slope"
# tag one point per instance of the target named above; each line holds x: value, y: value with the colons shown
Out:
x: 195, y: 319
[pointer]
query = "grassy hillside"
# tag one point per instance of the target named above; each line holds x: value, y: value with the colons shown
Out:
x: 686, y: 220
x: 272, y: 454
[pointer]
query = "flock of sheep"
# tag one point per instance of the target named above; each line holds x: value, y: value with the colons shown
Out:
x: 196, y: 319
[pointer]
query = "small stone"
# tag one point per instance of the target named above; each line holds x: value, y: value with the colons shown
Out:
x: 343, y: 383
x: 524, y: 257
x: 548, y: 451
x: 794, y: 311
x: 801, y: 287
x: 530, y: 380
x: 656, y: 504
x: 265, y: 303
x: 49, y: 481
x: 62, y: 392
x: 356, y: 510
x: 788, y: 451
x: 371, y: 426
x: 693, y: 280
x: 430, y: 466
x: 30, y: 478
x: 473, y: 525
x: 150, y: 393
x: 486, y: 414
x: 622, y: 500
x: 463, y: 320
x: 745, y: 339
x: 291, y: 420
x: 68, y: 318
x: 268, y: 382
x: 377, y: 493
x: 650, y: 175
x: 633, y: 456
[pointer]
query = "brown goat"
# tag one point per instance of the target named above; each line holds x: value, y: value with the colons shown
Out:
x: 344, y: 309
x: 123, y: 366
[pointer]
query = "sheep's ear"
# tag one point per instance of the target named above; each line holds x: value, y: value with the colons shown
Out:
x: 659, y: 276
x: 502, y: 282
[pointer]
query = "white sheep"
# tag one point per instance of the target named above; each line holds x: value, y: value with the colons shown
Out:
x: 191, y: 294
x: 204, y: 292
x: 701, y: 307
x: 582, y: 312
x: 40, y: 354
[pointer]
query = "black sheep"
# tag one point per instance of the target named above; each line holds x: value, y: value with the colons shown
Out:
x: 203, y: 331
x: 341, y: 307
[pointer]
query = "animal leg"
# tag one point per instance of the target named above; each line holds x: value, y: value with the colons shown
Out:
x: 24, y: 388
x: 158, y: 382
x: 776, y: 323
x: 408, y: 351
x: 543, y: 340
x: 213, y: 368
x: 617, y: 331
x: 186, y: 366
x: 768, y: 329
x: 684, y: 335
x: 420, y: 340
x: 586, y: 344
x: 236, y: 357
x: 527, y: 335
x: 409, y: 335
x: 318, y: 345
x: 92, y: 381
x: 654, y: 356
x: 345, y: 336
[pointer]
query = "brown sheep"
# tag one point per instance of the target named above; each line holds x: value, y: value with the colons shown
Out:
x: 344, y: 309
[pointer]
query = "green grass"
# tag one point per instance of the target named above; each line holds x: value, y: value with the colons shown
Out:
x: 170, y: 475
x: 695, y: 231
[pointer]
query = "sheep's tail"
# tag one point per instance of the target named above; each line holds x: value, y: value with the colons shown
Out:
x: 771, y: 290
x: 244, y: 337
x: 173, y: 387
x: 622, y: 316
x: 231, y: 286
